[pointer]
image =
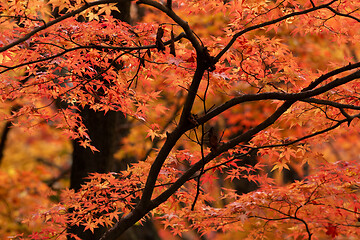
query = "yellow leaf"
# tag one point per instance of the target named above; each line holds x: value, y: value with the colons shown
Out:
x: 280, y: 166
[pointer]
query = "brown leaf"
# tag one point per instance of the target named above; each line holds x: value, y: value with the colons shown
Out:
x: 172, y: 44
x: 213, y: 140
x: 159, y: 43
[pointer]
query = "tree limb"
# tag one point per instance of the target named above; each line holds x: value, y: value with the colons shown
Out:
x: 55, y: 21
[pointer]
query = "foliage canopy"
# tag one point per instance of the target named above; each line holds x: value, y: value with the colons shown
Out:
x: 207, y: 85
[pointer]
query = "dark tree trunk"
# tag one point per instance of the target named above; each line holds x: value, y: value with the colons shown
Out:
x: 105, y: 131
x: 105, y: 136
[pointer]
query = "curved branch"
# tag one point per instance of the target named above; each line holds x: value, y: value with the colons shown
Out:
x: 223, y: 148
x: 184, y: 123
x: 55, y: 21
x: 183, y: 24
x: 307, y: 136
x: 287, y: 216
x: 304, y: 94
x: 330, y: 103
x: 146, y: 204
x: 171, y: 140
x: 343, y: 14
x: 237, y: 35
x: 245, y: 137
x: 98, y: 47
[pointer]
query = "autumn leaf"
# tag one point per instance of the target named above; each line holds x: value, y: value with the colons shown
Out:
x: 152, y: 134
x: 172, y: 44
x: 284, y: 91
x: 159, y: 43
x: 280, y: 166
x: 90, y: 225
x: 331, y: 230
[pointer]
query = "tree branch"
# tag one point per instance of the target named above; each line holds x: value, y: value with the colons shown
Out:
x: 55, y: 21
x: 245, y: 137
x: 146, y: 204
x: 305, y: 94
x: 98, y: 47
x: 268, y: 23
x: 330, y: 103
x: 183, y: 24
x: 343, y: 14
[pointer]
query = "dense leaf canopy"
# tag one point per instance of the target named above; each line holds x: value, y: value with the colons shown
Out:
x: 217, y: 93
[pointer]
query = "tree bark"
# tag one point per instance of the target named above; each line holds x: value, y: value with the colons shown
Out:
x: 105, y: 131
x: 105, y: 136
x: 102, y: 129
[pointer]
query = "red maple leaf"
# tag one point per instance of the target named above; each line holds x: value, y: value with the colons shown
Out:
x: 332, y: 230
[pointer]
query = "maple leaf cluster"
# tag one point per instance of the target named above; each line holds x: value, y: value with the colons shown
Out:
x: 217, y: 93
